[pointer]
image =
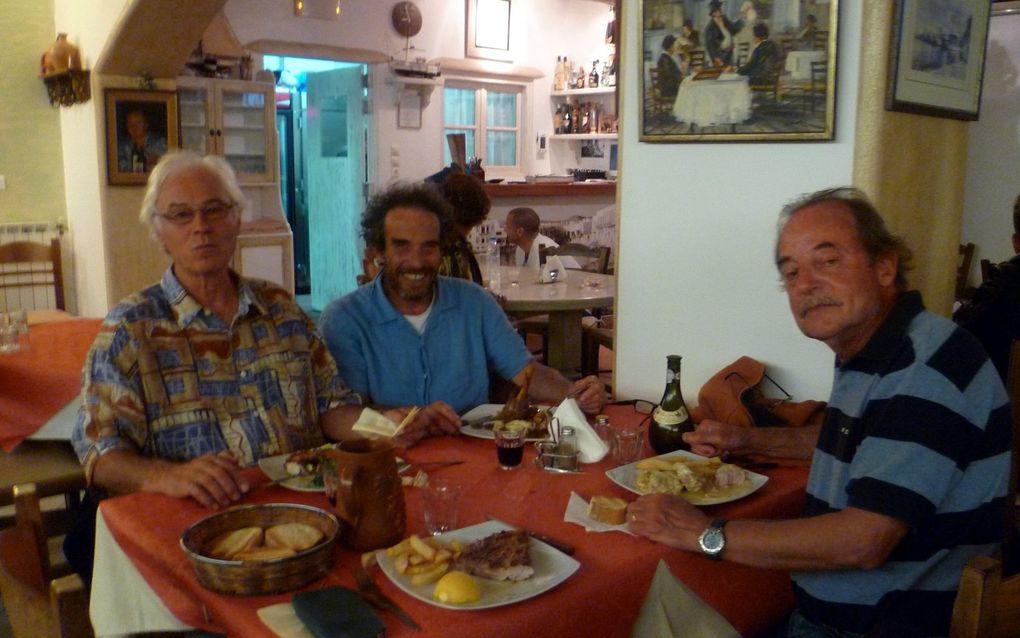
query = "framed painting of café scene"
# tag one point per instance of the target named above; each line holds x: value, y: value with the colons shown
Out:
x: 937, y: 57
x: 738, y: 70
x: 141, y: 126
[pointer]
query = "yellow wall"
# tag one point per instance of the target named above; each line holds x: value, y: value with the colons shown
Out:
x: 31, y: 159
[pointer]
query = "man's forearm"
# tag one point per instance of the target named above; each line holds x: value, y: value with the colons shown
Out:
x: 547, y: 385
x: 124, y: 471
x: 336, y: 424
x: 795, y: 443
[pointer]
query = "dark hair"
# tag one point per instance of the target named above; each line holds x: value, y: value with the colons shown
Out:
x: 1016, y: 215
x: 557, y: 233
x: 467, y: 198
x: 525, y: 218
x: 689, y: 24
x: 668, y: 42
x: 871, y: 230
x: 421, y: 196
x: 760, y: 30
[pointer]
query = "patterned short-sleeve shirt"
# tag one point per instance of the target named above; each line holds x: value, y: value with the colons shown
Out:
x: 167, y: 378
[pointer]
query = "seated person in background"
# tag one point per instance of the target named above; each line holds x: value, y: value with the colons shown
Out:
x: 668, y: 68
x: 371, y: 265
x: 805, y: 40
x: 689, y: 37
x: 522, y: 225
x: 470, y: 207
x: 204, y: 373
x: 762, y: 67
x: 413, y: 338
x: 993, y: 313
x: 910, y: 468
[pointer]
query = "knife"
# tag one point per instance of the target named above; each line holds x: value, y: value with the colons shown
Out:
x: 371, y: 593
x: 566, y: 548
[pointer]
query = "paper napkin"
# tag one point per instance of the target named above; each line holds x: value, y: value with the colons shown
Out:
x: 591, y: 447
x: 282, y: 621
x: 553, y: 265
x: 577, y: 513
x: 672, y: 609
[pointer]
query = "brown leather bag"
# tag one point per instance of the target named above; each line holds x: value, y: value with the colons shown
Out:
x: 734, y: 395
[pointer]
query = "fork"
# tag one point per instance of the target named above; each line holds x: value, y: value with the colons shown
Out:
x: 371, y: 593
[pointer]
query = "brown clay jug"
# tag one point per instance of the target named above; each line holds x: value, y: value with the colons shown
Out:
x: 364, y: 489
x: 61, y: 56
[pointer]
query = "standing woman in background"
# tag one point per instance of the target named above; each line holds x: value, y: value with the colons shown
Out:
x: 470, y: 208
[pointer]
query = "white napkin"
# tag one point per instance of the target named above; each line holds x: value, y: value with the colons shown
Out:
x: 577, y: 512
x: 672, y: 609
x: 283, y: 621
x: 553, y: 263
x: 591, y: 447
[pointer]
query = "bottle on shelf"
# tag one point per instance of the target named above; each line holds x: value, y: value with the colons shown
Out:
x: 559, y: 83
x: 612, y: 71
x: 571, y: 74
x: 670, y: 419
x: 575, y: 118
x: 605, y: 73
x: 585, y: 118
x: 581, y: 77
x: 567, y: 119
x: 593, y: 77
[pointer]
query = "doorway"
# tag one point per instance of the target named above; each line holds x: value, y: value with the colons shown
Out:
x: 324, y: 133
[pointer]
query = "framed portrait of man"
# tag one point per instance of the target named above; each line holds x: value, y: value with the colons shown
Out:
x: 141, y: 126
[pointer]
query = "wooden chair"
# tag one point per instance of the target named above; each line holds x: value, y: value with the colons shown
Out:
x: 989, y: 270
x: 966, y: 257
x: 37, y: 265
x: 743, y: 54
x: 660, y: 102
x: 987, y: 605
x: 769, y: 84
x: 821, y: 41
x: 597, y: 334
x: 38, y: 605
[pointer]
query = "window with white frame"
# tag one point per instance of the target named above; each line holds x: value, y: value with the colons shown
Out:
x: 489, y: 116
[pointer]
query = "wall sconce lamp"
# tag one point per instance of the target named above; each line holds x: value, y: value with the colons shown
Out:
x: 321, y: 9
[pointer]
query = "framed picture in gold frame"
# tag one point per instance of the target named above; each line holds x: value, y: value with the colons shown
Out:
x: 141, y: 126
x: 736, y: 71
x: 937, y: 57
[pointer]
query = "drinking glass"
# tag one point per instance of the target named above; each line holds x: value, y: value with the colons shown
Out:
x: 509, y: 447
x: 441, y: 498
x: 9, y: 335
x: 628, y: 442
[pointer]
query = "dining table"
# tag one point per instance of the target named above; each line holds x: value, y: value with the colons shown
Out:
x: 41, y: 384
x: 798, y: 63
x: 143, y: 581
x: 564, y: 301
x: 725, y: 99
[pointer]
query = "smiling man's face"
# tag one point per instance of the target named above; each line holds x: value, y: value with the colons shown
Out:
x: 412, y: 255
x: 836, y: 293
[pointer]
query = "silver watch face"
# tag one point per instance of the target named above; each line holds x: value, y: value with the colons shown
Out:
x: 712, y: 541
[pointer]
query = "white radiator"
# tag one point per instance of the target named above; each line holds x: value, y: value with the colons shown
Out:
x: 29, y: 297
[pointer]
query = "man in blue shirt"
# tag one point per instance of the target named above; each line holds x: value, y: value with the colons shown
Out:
x: 910, y: 469
x: 412, y: 338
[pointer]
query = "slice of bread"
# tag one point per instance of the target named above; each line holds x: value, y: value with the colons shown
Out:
x: 264, y: 553
x: 608, y: 509
x: 295, y: 536
x: 229, y: 544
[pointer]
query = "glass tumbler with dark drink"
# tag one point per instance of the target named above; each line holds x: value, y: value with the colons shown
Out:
x: 509, y: 447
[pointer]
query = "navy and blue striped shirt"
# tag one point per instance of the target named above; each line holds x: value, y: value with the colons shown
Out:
x: 917, y: 428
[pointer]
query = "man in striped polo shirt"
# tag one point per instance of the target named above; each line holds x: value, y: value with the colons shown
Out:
x: 909, y: 471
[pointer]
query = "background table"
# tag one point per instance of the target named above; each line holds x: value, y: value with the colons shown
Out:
x: 798, y: 63
x: 604, y: 596
x: 564, y: 302
x: 724, y: 100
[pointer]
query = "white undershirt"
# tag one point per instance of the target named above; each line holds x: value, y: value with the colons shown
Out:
x: 418, y: 321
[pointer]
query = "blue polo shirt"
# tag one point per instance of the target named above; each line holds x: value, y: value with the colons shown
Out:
x: 381, y: 355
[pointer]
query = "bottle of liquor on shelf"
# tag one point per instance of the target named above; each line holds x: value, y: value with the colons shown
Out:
x: 575, y: 118
x: 568, y: 119
x: 612, y: 71
x: 558, y: 119
x: 670, y: 418
x: 559, y: 81
x: 571, y: 74
x: 582, y: 77
x: 585, y: 118
x: 593, y: 77
x: 593, y: 117
x: 605, y: 73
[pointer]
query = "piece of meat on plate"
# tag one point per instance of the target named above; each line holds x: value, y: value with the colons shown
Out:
x: 501, y: 556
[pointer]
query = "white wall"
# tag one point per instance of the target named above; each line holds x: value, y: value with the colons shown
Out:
x: 696, y: 232
x: 84, y: 147
x: 365, y: 24
x: 993, y: 167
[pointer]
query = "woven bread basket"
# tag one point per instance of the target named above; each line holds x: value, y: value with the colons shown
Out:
x: 267, y: 576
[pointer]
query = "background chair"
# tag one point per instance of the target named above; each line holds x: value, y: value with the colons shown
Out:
x: 987, y: 605
x: 37, y: 604
x: 660, y: 102
x: 963, y: 270
x: 697, y: 59
x: 821, y: 40
x: 26, y: 265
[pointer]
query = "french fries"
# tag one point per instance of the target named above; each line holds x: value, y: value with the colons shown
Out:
x: 424, y: 560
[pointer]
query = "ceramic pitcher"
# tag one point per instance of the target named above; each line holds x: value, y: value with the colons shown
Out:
x: 362, y: 484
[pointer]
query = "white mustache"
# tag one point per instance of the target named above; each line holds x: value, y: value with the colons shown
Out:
x: 815, y: 301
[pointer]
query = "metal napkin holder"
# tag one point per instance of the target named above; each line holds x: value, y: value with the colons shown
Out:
x: 551, y: 459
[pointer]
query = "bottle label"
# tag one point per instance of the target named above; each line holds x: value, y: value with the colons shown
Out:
x: 670, y: 417
x: 670, y: 376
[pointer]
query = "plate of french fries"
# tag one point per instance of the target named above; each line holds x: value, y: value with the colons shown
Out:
x: 668, y: 473
x: 417, y: 562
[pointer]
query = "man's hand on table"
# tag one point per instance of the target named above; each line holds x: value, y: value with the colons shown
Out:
x: 714, y: 438
x: 667, y: 519
x: 437, y: 418
x: 214, y: 480
x: 590, y: 394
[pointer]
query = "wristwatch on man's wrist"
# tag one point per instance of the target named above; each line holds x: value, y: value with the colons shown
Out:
x: 712, y: 541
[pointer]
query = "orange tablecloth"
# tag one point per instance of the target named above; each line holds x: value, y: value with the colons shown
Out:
x: 37, y: 381
x: 604, y: 595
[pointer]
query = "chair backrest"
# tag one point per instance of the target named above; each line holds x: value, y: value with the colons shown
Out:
x: 819, y: 76
x: 34, y: 265
x: 697, y: 58
x: 743, y: 53
x: 821, y: 41
x: 987, y: 605
x: 36, y: 605
x: 966, y: 257
x: 989, y: 269
x: 598, y: 256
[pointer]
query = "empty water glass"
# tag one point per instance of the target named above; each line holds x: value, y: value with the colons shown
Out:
x: 441, y: 505
x: 9, y: 338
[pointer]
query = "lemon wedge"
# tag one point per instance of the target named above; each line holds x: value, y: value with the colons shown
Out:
x: 456, y: 588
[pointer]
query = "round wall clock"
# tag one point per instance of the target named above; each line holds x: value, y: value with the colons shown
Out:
x: 406, y: 19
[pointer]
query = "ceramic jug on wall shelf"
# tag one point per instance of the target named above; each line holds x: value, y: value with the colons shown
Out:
x: 61, y: 56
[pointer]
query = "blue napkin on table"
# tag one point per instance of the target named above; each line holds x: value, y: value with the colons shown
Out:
x: 337, y: 612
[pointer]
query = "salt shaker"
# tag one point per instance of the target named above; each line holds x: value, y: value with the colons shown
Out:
x: 568, y: 442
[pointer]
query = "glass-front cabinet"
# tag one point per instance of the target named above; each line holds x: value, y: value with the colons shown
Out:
x: 234, y: 119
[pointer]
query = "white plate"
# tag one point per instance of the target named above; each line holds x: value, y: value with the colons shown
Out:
x: 274, y: 467
x: 552, y: 567
x: 626, y: 476
x: 481, y: 414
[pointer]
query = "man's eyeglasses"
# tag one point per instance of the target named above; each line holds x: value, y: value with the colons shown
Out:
x: 213, y: 211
